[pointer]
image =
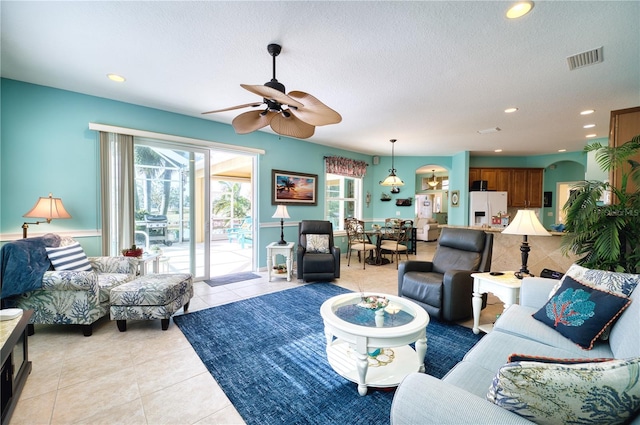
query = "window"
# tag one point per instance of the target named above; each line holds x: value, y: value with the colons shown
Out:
x: 342, y: 199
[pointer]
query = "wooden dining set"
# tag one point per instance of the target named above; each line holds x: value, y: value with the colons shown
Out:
x: 372, y: 245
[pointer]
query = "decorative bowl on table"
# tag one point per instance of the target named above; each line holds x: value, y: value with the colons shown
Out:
x: 373, y: 302
x: 132, y: 252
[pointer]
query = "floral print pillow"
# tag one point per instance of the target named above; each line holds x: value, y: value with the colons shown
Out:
x: 318, y: 243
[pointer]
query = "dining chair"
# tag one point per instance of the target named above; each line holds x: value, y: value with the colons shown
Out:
x: 398, y: 242
x: 357, y: 240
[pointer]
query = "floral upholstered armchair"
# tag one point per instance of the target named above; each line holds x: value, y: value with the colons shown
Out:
x: 63, y: 296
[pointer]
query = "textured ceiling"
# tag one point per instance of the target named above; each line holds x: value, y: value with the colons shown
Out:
x: 430, y: 74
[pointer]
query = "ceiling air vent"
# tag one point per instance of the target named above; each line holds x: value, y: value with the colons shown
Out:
x: 585, y: 58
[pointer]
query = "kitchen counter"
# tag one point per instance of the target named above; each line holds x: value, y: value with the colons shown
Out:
x: 545, y: 251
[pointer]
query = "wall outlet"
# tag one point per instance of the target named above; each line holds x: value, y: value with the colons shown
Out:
x: 398, y: 213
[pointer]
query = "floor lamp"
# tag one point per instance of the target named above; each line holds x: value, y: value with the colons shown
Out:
x: 281, y: 213
x: 525, y: 223
x: 46, y: 208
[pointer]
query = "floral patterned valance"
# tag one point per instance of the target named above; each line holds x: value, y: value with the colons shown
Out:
x: 345, y: 166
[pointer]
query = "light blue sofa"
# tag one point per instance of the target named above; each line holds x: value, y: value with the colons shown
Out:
x: 460, y: 396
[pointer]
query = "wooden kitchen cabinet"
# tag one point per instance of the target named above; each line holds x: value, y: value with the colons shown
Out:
x: 523, y: 185
x: 474, y: 174
x: 624, y: 126
x: 525, y: 188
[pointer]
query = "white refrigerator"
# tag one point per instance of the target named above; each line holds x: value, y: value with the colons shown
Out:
x: 484, y: 205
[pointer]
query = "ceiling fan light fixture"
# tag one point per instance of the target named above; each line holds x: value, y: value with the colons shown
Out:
x: 295, y: 114
x: 392, y: 179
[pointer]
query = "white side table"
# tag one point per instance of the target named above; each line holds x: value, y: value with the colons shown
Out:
x: 506, y: 287
x: 145, y: 260
x: 273, y: 249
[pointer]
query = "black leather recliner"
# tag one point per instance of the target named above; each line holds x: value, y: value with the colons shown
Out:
x: 312, y: 265
x: 444, y: 286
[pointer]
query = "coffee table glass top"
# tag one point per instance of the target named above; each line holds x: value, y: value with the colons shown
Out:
x: 394, y: 314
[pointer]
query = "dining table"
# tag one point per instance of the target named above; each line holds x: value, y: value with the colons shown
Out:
x: 379, y: 234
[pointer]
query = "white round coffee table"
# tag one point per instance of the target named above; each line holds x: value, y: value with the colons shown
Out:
x: 371, y: 347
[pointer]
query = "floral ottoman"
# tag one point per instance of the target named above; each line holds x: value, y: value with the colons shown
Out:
x: 152, y: 296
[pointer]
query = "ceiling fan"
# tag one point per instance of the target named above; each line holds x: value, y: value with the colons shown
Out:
x: 295, y: 114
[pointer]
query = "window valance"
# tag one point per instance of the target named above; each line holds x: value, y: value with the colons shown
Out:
x: 345, y: 166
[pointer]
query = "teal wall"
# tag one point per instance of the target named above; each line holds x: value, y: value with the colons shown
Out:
x: 561, y: 171
x: 46, y: 146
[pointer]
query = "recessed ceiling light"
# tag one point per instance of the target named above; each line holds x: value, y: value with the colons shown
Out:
x: 588, y: 126
x: 117, y: 78
x: 589, y: 136
x: 519, y: 9
x: 562, y: 150
x: 587, y: 112
x: 498, y: 150
x: 510, y: 110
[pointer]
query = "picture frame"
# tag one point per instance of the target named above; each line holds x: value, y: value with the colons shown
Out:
x: 293, y: 188
x: 455, y: 198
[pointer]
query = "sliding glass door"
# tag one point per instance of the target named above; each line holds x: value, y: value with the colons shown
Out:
x: 193, y: 208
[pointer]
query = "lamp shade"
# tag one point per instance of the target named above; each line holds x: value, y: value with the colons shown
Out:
x: 392, y: 180
x: 48, y: 208
x: 281, y: 212
x: 527, y: 223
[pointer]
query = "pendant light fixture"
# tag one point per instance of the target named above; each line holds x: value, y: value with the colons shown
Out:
x: 434, y: 181
x: 392, y: 179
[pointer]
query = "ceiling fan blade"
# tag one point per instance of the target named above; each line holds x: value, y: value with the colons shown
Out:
x: 231, y: 108
x: 272, y: 94
x: 292, y: 126
x: 314, y: 111
x: 248, y: 122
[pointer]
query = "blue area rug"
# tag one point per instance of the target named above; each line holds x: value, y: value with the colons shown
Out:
x: 231, y: 278
x: 268, y: 355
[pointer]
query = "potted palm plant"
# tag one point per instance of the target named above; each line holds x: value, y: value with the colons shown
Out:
x: 606, y: 236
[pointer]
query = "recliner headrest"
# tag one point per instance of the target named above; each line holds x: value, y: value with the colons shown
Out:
x: 463, y: 239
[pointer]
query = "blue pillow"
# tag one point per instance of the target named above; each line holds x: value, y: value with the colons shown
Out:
x: 581, y: 313
x: 70, y: 257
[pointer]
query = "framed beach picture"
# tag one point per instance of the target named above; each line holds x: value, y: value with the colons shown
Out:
x: 291, y: 188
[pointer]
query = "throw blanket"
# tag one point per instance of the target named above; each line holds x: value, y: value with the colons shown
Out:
x: 23, y: 263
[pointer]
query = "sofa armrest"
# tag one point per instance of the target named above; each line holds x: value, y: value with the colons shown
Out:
x: 128, y: 265
x: 534, y: 291
x: 69, y: 280
x: 423, y: 399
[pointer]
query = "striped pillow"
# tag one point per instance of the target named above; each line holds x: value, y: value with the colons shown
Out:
x: 70, y: 257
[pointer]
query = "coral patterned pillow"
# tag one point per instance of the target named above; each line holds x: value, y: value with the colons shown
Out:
x: 581, y: 313
x: 587, y: 393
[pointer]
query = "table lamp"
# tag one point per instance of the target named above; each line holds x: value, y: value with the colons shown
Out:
x: 281, y: 213
x: 526, y: 223
x: 46, y: 208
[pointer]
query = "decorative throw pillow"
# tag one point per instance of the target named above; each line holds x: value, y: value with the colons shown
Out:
x: 581, y: 313
x: 590, y: 393
x: 543, y: 359
x: 618, y: 283
x: 70, y: 257
x: 318, y: 243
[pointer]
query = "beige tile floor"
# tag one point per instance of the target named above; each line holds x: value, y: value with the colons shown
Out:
x: 149, y: 376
